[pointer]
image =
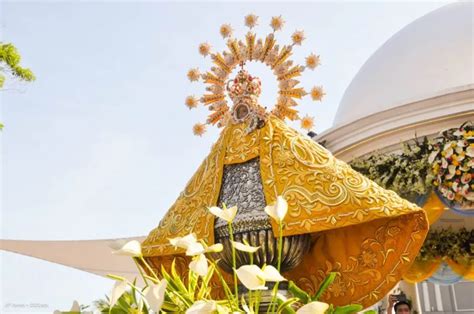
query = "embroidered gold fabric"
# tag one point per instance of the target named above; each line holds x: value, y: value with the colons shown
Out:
x: 369, y: 235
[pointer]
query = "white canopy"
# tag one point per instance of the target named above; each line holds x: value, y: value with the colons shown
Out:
x: 92, y: 256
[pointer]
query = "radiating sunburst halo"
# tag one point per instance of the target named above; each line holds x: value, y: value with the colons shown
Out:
x: 199, y: 129
x: 298, y: 37
x: 265, y: 50
x: 251, y: 20
x: 277, y: 23
x: 191, y: 102
x: 312, y: 61
x: 307, y: 122
x: 226, y: 30
x: 194, y: 75
x: 317, y: 93
x: 204, y: 49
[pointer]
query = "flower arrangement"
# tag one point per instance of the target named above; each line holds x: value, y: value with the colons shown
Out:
x: 444, y: 163
x: 168, y: 291
x: 445, y: 243
x: 452, y: 164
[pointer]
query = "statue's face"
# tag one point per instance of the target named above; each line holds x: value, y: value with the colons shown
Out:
x: 242, y: 109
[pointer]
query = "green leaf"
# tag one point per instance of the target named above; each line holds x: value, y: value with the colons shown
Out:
x: 299, y: 293
x: 324, y: 285
x: 179, y: 283
x: 370, y: 312
x: 330, y: 310
x: 205, y: 288
x: 348, y: 309
x: 285, y: 306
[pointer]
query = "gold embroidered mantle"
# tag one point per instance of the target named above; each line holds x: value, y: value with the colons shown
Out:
x: 369, y: 235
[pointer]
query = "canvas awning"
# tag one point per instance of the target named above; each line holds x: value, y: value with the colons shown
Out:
x: 92, y: 256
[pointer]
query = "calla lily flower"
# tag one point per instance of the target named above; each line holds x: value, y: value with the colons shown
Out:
x: 199, y: 265
x: 228, y: 214
x: 155, y: 295
x: 314, y: 307
x: 132, y: 248
x: 117, y: 291
x: 245, y: 247
x: 183, y: 242
x: 270, y: 273
x: 278, y: 210
x: 252, y: 277
x: 247, y: 310
x: 202, y: 307
x: 197, y: 248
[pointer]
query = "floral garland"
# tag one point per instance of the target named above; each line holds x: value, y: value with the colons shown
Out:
x: 445, y: 243
x: 445, y: 163
x: 408, y: 174
x: 452, y: 164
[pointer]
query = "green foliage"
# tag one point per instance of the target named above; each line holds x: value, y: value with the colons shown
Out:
x: 10, y: 63
x: 408, y: 174
x: 456, y: 245
x: 304, y: 298
x: 324, y: 285
x: 127, y: 304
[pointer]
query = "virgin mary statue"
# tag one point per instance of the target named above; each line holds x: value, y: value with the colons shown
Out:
x: 338, y: 220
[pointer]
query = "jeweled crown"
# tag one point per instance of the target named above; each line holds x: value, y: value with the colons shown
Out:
x: 244, y: 85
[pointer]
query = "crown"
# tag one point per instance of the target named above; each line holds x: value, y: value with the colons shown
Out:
x: 244, y: 85
x: 244, y: 89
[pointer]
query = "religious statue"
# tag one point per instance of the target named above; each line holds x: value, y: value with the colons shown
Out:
x: 338, y: 220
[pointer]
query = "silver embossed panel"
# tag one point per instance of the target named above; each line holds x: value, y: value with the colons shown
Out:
x: 242, y: 187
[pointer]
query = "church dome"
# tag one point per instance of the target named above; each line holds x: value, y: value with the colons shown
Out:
x: 431, y: 56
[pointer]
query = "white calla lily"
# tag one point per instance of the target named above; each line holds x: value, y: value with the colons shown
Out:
x: 222, y: 309
x: 245, y: 247
x: 278, y: 210
x: 270, y: 273
x: 202, y: 307
x: 197, y: 249
x: 183, y: 242
x: 314, y: 307
x: 117, y: 291
x: 228, y: 214
x: 199, y: 265
x: 155, y: 295
x: 132, y: 248
x: 252, y: 277
x: 247, y: 310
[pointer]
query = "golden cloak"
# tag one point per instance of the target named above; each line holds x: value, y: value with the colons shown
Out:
x: 368, y: 235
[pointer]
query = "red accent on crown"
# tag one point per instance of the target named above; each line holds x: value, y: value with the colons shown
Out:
x: 244, y: 85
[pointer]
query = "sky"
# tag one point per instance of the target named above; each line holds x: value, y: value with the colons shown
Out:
x: 100, y: 145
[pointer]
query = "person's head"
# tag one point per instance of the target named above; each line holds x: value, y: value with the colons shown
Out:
x: 402, y: 307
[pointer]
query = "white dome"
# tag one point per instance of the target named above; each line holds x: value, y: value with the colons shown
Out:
x: 431, y: 56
